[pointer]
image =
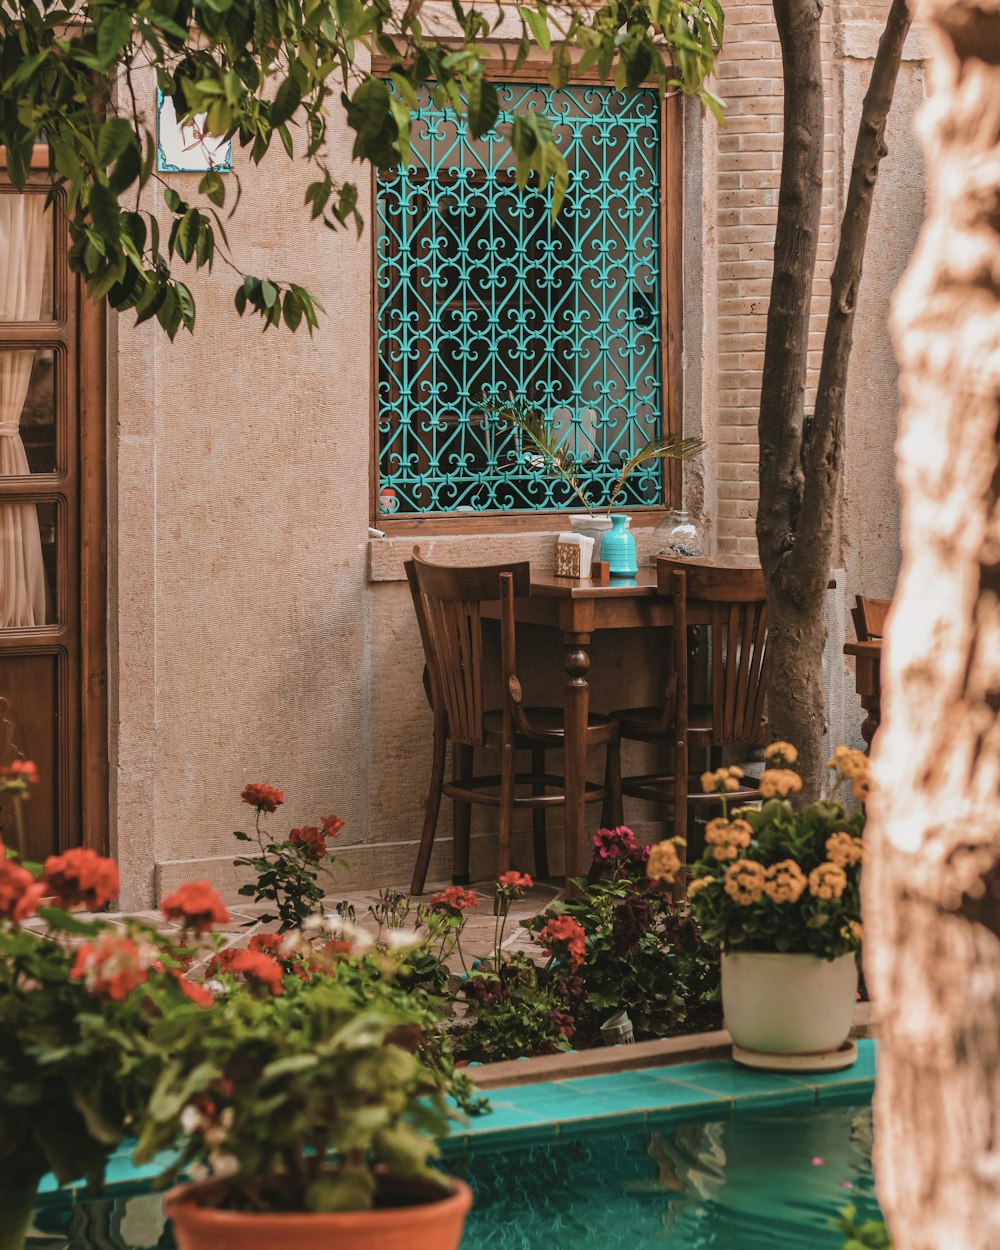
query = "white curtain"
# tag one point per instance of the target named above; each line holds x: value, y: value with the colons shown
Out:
x: 23, y: 253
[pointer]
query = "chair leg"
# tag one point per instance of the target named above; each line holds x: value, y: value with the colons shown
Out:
x: 507, y: 777
x: 431, y: 809
x: 463, y: 760
x: 538, y: 815
x: 611, y: 810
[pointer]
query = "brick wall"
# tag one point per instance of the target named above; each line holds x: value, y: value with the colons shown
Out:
x: 749, y: 164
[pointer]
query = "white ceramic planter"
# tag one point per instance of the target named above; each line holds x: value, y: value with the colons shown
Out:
x: 788, y: 1004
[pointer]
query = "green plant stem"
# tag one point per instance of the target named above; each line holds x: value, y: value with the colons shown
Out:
x: 19, y: 826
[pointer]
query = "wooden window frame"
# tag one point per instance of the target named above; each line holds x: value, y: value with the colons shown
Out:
x: 80, y: 351
x: 671, y: 271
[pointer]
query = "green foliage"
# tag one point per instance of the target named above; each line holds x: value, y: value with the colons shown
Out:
x: 558, y: 461
x: 261, y: 69
x: 262, y: 1088
x: 870, y: 1235
x: 645, y: 955
x: 76, y: 1067
x: 515, y: 1008
x: 288, y: 875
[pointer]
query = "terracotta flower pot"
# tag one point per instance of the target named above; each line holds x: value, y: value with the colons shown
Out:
x: 410, y: 1215
x: 788, y: 1004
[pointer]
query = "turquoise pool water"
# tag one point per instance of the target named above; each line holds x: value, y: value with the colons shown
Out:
x: 703, y: 1156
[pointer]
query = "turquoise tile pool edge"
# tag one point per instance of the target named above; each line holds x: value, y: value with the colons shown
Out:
x: 547, y: 1109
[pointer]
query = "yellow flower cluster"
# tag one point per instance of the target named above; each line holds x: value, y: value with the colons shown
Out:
x: 722, y: 781
x: 781, y: 781
x: 727, y: 837
x: 784, y: 882
x: 699, y: 883
x: 664, y: 863
x: 845, y: 850
x: 744, y: 881
x: 856, y: 766
x: 781, y: 754
x: 827, y: 881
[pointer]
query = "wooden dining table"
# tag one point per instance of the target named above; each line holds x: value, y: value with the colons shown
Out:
x: 578, y: 608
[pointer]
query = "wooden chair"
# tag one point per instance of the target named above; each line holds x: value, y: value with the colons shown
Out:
x: 733, y: 603
x: 448, y: 603
x: 869, y: 617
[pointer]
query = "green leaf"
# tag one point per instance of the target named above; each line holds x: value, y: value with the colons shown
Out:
x: 113, y: 34
x: 114, y: 137
x: 63, y: 922
x: 213, y: 186
x: 127, y: 169
x: 539, y: 27
x: 104, y: 211
x: 287, y: 100
x: 269, y: 292
x: 483, y: 107
x: 172, y: 200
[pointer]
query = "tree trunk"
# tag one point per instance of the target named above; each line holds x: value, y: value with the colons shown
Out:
x: 932, y: 891
x: 800, y: 461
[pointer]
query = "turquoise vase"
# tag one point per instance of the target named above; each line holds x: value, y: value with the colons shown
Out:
x: 618, y: 548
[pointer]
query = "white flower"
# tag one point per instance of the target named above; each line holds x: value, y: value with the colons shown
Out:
x: 192, y: 1119
x: 293, y: 943
x: 223, y: 1165
x: 198, y: 1172
x: 217, y: 988
x: 402, y: 939
x: 314, y: 923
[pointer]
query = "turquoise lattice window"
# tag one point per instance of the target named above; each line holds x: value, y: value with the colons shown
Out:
x: 479, y: 291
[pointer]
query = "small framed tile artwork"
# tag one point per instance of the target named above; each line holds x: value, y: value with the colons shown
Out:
x: 186, y: 149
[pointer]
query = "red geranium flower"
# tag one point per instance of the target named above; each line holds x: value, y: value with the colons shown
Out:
x: 196, y: 905
x: 21, y: 770
x: 514, y: 881
x: 332, y: 825
x: 253, y: 964
x: 264, y: 798
x: 563, y: 937
x: 198, y: 994
x: 81, y: 878
x: 312, y: 839
x: 265, y: 943
x: 20, y: 893
x: 617, y: 843
x: 454, y: 901
x: 113, y: 965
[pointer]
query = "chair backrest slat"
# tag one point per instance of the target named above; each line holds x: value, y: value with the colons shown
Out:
x: 448, y: 602
x: 734, y: 601
x: 869, y: 617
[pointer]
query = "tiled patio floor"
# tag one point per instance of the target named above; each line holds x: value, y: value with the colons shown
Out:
x: 477, y: 938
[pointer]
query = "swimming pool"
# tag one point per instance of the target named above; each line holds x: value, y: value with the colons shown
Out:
x: 702, y: 1156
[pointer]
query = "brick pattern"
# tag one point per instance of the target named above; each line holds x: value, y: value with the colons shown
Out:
x: 749, y: 166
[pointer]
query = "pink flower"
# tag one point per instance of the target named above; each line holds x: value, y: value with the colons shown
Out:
x: 618, y: 843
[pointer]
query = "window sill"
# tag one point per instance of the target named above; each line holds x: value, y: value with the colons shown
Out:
x: 386, y: 556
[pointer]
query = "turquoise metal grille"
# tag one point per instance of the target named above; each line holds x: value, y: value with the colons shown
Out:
x: 479, y: 291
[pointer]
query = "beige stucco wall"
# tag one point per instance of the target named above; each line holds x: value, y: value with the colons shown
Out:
x: 258, y: 635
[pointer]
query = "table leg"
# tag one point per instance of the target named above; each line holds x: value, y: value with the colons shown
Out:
x: 576, y: 710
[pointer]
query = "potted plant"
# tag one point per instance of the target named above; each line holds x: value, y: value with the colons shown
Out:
x: 778, y: 889
x: 79, y: 999
x: 612, y: 540
x: 308, y: 1101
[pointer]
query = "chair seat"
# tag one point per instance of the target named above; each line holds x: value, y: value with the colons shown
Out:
x: 549, y: 727
x: 642, y: 723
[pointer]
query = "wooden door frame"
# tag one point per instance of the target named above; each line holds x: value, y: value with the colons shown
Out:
x: 92, y: 382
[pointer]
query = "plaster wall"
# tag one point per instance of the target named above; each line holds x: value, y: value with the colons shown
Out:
x: 258, y: 635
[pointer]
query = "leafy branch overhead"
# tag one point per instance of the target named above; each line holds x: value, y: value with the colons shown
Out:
x: 78, y: 77
x: 559, y: 461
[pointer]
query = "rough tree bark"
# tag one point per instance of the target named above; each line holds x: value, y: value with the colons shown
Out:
x: 932, y: 891
x: 800, y: 460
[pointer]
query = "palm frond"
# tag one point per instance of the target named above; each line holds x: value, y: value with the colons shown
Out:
x: 538, y: 431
